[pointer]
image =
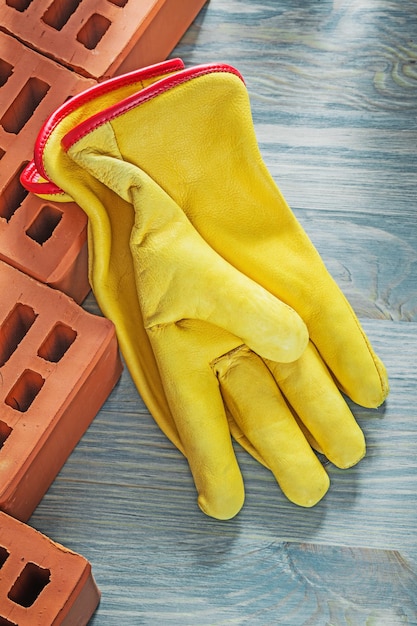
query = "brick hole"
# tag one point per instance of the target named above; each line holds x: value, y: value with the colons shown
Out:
x: 14, y: 328
x: 28, y: 586
x: 4, y: 555
x: 2, y: 153
x: 24, y: 391
x: 57, y: 343
x: 24, y: 105
x: 12, y: 195
x: 119, y: 3
x: 5, y: 431
x: 6, y: 70
x: 44, y: 224
x: 93, y: 30
x: 19, y: 5
x: 6, y: 622
x: 59, y: 13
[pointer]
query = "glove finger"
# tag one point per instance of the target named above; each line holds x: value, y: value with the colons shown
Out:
x: 196, y: 404
x: 313, y: 395
x: 344, y: 346
x: 261, y: 413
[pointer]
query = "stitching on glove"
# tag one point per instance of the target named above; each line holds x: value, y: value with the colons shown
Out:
x: 231, y: 353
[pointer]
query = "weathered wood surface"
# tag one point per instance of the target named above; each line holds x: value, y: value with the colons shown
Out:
x: 333, y: 87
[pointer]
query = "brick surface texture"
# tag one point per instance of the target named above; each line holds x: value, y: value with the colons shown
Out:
x: 45, y: 240
x: 58, y: 364
x: 100, y: 39
x: 41, y: 582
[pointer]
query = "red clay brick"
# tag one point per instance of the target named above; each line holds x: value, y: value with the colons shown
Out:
x: 58, y: 364
x: 100, y: 38
x: 31, y: 88
x: 48, y: 241
x: 41, y: 582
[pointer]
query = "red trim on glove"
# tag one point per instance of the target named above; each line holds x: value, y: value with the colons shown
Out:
x: 35, y: 178
x: 162, y: 86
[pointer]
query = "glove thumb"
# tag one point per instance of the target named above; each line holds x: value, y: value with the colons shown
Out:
x: 181, y: 276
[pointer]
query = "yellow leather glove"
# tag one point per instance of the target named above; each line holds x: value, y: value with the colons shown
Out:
x: 212, y: 169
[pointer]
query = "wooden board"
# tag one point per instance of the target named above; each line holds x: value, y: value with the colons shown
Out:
x: 333, y: 87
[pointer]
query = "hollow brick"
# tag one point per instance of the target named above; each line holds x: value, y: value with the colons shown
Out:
x: 48, y: 241
x: 100, y: 38
x: 42, y: 582
x: 58, y: 364
x: 45, y: 240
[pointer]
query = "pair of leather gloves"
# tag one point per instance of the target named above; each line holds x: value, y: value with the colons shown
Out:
x: 226, y: 316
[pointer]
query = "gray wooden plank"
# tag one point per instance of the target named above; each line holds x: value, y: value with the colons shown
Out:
x: 330, y: 59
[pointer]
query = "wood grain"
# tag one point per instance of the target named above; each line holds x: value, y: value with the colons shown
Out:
x: 333, y: 86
